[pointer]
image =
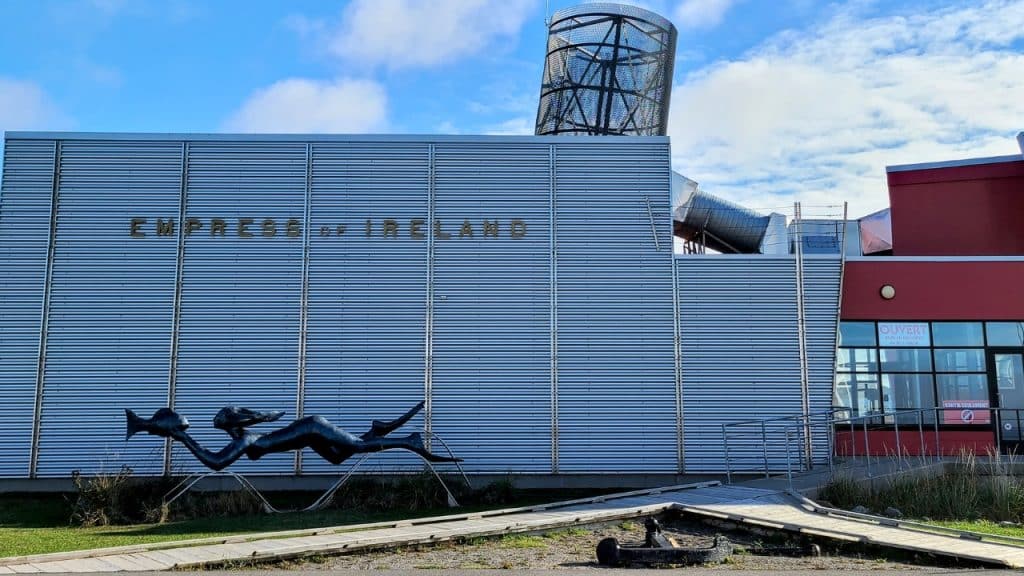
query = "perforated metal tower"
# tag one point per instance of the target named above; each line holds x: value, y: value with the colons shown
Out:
x: 608, y: 72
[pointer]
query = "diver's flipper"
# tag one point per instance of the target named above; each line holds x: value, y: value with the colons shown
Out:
x: 380, y: 428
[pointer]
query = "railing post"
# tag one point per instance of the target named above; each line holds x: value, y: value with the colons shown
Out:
x: 997, y: 424
x: 853, y: 436
x: 920, y: 430
x: 728, y: 465
x: 938, y: 441
x: 1016, y: 413
x: 830, y: 438
x: 764, y: 447
x: 899, y: 447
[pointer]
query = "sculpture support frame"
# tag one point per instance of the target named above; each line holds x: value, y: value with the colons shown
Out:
x: 191, y: 480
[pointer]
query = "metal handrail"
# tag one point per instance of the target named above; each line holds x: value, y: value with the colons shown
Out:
x: 801, y: 428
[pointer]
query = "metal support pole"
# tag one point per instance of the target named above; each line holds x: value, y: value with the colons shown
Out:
x: 764, y: 447
x: 44, y: 315
x: 938, y: 441
x: 789, y: 463
x: 428, y: 338
x: 300, y: 369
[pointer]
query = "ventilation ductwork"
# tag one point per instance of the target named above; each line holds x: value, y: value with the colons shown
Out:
x: 724, y: 226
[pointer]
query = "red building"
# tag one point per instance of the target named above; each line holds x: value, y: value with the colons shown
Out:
x: 932, y: 331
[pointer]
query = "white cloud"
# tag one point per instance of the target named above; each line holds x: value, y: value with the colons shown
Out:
x: 817, y: 115
x: 702, y: 13
x: 26, y: 106
x: 304, y: 105
x: 415, y: 33
x: 515, y: 127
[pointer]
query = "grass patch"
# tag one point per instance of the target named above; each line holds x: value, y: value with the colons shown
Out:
x: 985, y: 527
x: 571, y: 532
x: 969, y: 491
x: 523, y: 541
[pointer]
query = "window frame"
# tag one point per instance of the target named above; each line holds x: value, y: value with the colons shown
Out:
x: 934, y: 373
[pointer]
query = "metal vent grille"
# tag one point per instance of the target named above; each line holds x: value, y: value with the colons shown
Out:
x: 608, y: 72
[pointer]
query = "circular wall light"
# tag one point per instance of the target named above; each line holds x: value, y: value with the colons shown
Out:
x: 888, y: 292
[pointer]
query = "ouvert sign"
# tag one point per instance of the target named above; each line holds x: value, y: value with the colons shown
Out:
x: 415, y: 228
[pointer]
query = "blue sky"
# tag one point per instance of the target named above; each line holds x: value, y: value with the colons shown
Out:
x: 774, y: 101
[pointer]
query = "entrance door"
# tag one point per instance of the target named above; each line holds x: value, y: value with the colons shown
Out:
x: 1006, y: 378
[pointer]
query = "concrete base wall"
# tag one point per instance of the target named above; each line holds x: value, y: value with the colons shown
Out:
x: 323, y: 482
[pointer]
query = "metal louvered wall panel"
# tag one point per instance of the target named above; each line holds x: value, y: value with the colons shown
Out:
x: 374, y: 344
x: 24, y: 236
x: 821, y: 311
x: 366, y: 328
x: 491, y: 323
x: 111, y: 299
x: 240, y: 301
x: 616, y: 357
x: 741, y: 354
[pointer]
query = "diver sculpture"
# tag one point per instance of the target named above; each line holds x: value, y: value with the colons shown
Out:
x: 316, y: 432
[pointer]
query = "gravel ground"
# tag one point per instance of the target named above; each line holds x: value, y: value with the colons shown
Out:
x: 574, y: 548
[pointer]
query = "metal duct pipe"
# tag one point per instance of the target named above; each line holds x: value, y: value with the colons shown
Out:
x: 722, y: 225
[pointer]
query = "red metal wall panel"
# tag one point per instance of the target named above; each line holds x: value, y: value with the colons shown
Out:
x: 883, y: 442
x: 936, y: 290
x: 971, y: 210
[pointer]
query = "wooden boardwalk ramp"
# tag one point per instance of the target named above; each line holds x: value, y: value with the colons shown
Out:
x: 761, y: 507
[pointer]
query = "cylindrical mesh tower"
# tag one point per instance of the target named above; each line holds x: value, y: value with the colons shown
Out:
x: 608, y: 71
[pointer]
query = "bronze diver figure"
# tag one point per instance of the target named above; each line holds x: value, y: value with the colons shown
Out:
x: 329, y: 441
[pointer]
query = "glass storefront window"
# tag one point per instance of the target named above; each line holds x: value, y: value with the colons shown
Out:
x: 957, y: 334
x: 962, y: 386
x: 858, y: 392
x: 926, y: 370
x: 909, y: 392
x: 857, y: 360
x: 906, y: 360
x: 960, y: 360
x: 1005, y: 333
x: 856, y: 333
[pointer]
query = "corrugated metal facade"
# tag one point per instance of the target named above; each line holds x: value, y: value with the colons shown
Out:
x: 25, y: 199
x: 616, y: 351
x: 741, y: 350
x: 536, y: 319
x: 366, y: 329
x: 110, y: 306
x: 238, y: 331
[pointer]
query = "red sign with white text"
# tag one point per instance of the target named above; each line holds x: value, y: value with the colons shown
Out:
x: 965, y: 412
